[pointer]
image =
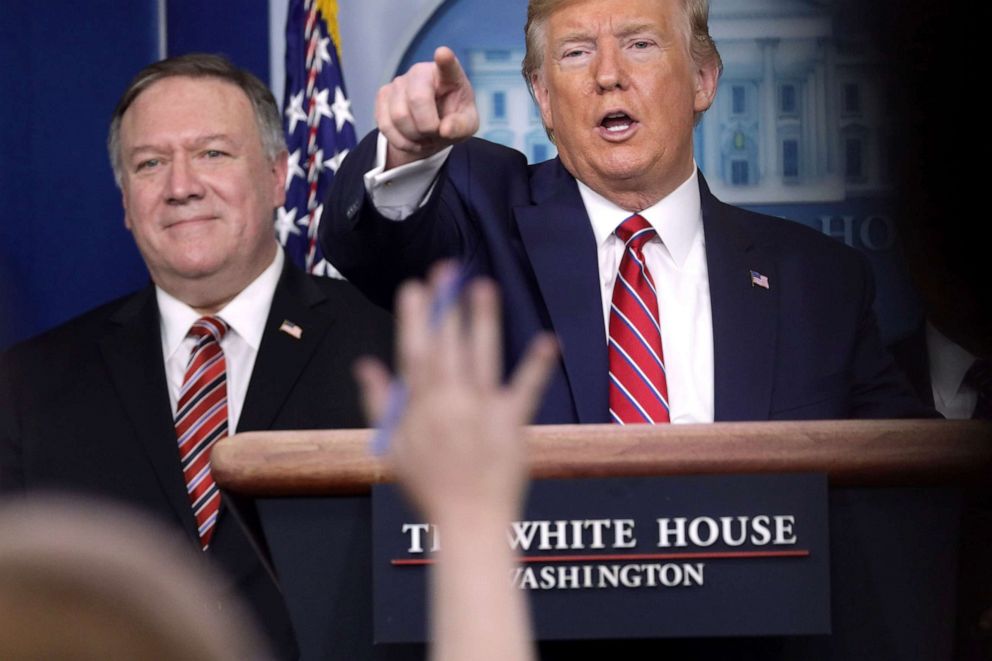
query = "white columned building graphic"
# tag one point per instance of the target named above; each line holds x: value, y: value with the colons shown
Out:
x: 799, y: 116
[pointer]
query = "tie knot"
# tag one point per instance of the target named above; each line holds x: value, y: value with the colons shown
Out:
x: 212, y: 326
x: 635, y: 231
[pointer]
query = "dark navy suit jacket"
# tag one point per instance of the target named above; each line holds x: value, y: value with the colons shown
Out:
x: 84, y: 408
x: 807, y: 347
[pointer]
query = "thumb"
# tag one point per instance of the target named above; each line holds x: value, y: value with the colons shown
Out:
x: 460, y: 125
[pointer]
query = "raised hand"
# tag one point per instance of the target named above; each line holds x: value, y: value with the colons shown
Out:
x: 458, y: 450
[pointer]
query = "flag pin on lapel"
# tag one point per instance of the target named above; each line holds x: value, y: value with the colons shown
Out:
x: 759, y: 280
x: 291, y: 329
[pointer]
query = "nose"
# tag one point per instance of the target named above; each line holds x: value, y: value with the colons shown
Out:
x: 183, y: 183
x: 610, y: 71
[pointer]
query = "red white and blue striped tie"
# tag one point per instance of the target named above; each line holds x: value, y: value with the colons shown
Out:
x: 638, y: 389
x: 201, y: 419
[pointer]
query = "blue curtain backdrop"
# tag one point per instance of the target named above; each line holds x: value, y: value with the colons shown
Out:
x: 63, y: 64
x: 63, y: 246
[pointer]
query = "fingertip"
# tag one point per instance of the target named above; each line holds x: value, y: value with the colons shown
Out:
x: 483, y: 289
x: 443, y: 271
x: 546, y: 345
x: 364, y: 369
x: 373, y: 383
x: 443, y: 55
x: 447, y: 64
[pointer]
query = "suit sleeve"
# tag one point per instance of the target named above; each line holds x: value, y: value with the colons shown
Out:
x: 375, y: 253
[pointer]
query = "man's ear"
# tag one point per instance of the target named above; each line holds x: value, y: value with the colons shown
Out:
x: 127, y: 216
x: 707, y: 79
x: 543, y: 99
x: 280, y: 166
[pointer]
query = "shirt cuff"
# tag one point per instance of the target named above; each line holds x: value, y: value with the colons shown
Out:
x: 398, y: 192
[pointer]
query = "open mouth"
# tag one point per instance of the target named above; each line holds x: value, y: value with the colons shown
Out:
x: 615, y: 122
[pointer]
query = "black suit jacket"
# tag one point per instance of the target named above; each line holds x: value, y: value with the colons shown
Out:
x: 806, y: 347
x: 84, y: 407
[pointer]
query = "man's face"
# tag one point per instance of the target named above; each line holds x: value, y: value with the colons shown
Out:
x: 198, y: 189
x: 620, y: 90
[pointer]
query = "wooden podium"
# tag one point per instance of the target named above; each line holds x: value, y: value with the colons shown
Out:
x: 851, y: 453
x: 895, y: 503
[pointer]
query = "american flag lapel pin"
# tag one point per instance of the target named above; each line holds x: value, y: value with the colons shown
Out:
x: 759, y: 280
x: 291, y: 329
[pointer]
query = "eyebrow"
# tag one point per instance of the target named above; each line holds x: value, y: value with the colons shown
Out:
x: 634, y: 28
x: 198, y: 142
x: 623, y: 31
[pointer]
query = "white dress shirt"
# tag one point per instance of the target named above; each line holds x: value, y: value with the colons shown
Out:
x: 676, y: 259
x: 949, y: 362
x: 246, y: 314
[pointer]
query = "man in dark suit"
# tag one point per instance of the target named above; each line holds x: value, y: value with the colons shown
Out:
x: 96, y: 405
x: 759, y: 318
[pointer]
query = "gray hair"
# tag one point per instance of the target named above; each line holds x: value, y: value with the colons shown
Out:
x: 201, y: 65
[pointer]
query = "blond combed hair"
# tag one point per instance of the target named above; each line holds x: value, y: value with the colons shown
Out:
x: 701, y: 46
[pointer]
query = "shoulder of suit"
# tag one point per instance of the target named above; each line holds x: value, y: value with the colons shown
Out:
x: 343, y: 294
x: 495, y: 156
x: 789, y: 237
x: 84, y: 328
x: 69, y: 340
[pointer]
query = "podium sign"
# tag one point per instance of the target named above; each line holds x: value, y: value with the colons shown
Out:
x: 665, y: 557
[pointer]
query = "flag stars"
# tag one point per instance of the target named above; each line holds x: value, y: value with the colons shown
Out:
x: 321, y: 106
x: 335, y: 161
x: 285, y: 224
x: 294, y: 113
x: 294, y: 169
x: 341, y: 108
x: 323, y: 54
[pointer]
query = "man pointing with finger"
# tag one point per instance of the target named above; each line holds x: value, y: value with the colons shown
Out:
x: 669, y: 305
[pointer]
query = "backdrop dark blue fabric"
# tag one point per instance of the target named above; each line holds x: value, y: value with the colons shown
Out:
x: 63, y: 245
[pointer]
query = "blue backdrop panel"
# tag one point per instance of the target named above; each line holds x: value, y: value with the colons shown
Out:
x: 63, y: 245
x: 238, y: 29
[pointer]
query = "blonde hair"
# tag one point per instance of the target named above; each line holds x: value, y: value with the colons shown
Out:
x: 82, y: 580
x: 702, y: 48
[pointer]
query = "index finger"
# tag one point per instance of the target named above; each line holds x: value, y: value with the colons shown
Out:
x: 449, y: 69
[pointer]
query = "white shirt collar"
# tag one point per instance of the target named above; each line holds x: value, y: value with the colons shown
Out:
x: 676, y: 218
x: 949, y: 362
x: 246, y: 313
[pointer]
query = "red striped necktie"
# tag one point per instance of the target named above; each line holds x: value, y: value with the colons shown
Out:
x: 638, y: 389
x: 201, y: 419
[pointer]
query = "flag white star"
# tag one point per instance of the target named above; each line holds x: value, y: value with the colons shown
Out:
x: 295, y: 111
x: 341, y: 108
x: 335, y: 161
x: 325, y: 268
x: 323, y: 55
x: 321, y: 100
x: 285, y: 224
x: 294, y: 169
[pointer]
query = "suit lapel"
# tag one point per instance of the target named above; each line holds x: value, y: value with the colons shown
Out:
x: 562, y: 250
x: 282, y: 357
x: 744, y: 315
x: 132, y: 350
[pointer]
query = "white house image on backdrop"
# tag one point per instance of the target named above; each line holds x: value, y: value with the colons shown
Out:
x: 799, y: 116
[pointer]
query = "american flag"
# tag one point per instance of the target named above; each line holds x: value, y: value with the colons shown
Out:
x: 759, y: 280
x: 319, y: 126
